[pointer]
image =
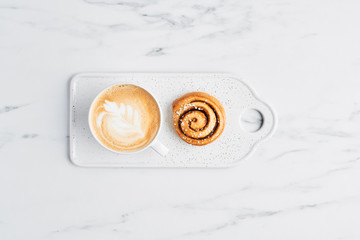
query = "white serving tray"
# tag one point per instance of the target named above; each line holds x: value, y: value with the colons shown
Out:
x: 233, y: 145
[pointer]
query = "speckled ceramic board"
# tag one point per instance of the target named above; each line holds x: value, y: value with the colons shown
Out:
x: 233, y: 145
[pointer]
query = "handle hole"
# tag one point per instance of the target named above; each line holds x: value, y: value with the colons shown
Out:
x: 251, y: 120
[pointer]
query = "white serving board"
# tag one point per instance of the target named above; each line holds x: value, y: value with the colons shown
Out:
x: 233, y: 145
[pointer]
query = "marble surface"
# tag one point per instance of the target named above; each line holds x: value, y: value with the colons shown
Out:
x: 303, y: 57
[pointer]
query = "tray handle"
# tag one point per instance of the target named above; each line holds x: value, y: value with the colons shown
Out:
x: 269, y: 120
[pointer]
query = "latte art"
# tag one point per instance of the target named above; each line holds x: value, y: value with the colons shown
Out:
x: 125, y: 118
x: 121, y: 122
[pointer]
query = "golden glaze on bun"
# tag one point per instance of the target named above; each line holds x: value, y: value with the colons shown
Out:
x: 199, y: 118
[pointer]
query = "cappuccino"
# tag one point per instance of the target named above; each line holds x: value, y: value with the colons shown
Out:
x: 125, y: 118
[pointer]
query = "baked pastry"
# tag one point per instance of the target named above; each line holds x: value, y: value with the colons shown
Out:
x: 199, y: 118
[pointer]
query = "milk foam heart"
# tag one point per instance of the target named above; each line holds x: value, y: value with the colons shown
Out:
x: 125, y: 118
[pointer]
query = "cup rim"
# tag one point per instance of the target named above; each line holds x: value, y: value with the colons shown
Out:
x: 132, y: 152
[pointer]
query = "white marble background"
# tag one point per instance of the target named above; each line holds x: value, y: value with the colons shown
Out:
x: 301, y: 56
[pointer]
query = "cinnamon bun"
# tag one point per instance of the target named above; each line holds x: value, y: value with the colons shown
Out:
x: 199, y: 118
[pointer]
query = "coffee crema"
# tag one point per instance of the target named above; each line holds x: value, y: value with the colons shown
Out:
x: 125, y: 118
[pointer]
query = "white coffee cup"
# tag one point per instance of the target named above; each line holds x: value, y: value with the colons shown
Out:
x: 154, y: 144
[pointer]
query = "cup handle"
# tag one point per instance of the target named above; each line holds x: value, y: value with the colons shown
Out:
x: 160, y: 148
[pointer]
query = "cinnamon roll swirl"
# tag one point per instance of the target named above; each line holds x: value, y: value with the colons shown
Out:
x: 199, y: 118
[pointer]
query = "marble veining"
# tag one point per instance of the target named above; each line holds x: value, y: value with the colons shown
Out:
x: 302, y: 57
x: 6, y: 109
